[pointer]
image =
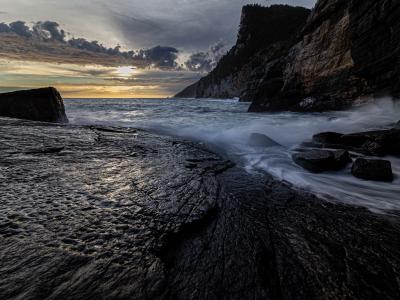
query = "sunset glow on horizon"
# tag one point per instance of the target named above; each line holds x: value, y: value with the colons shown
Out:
x: 116, y: 49
x: 92, y: 81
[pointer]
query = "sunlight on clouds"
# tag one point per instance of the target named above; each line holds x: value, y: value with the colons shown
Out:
x: 125, y: 71
x: 89, y: 81
x: 93, y: 91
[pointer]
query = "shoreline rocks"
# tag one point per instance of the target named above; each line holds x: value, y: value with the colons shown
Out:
x: 45, y: 105
x: 373, y: 169
x: 81, y: 218
x: 377, y: 143
x: 318, y: 161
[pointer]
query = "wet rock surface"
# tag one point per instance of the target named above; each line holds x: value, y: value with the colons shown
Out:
x: 373, y: 169
x: 108, y: 213
x: 44, y: 105
x: 318, y: 161
x: 375, y: 143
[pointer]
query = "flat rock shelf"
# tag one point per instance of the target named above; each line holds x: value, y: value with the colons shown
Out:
x: 117, y: 213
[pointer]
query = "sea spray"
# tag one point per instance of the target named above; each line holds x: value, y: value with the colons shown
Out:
x: 225, y: 126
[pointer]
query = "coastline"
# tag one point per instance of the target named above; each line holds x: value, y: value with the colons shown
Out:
x: 118, y: 213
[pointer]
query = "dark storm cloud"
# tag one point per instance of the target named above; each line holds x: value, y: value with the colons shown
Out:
x: 199, y: 61
x: 163, y: 57
x: 49, y: 30
x: 190, y: 34
x: 20, y: 29
x: 4, y: 28
x: 48, y: 43
x: 191, y: 25
x: 94, y: 46
x: 206, y: 61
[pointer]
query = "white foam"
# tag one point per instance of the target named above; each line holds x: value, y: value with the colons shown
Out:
x: 226, y: 126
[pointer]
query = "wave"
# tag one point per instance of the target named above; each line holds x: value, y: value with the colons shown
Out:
x: 226, y: 126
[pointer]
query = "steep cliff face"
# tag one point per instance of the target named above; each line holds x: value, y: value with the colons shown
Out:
x: 264, y: 36
x: 346, y: 51
x: 349, y: 50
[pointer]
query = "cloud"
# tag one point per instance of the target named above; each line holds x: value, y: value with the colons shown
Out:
x: 4, y: 28
x: 206, y: 61
x: 190, y: 30
x: 20, y: 29
x: 162, y: 57
x: 191, y: 25
x: 93, y: 81
x: 48, y: 43
x: 16, y: 47
x: 49, y: 30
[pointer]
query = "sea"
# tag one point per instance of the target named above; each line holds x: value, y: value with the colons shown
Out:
x: 225, y: 127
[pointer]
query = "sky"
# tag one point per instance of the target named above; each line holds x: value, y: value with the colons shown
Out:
x: 151, y: 48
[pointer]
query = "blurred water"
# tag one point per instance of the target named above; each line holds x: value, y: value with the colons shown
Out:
x: 225, y: 126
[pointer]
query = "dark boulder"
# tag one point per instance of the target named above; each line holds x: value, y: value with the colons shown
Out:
x: 372, y: 169
x: 374, y: 148
x: 318, y: 161
x: 374, y: 143
x: 354, y: 139
x: 390, y: 140
x: 261, y: 140
x: 342, y: 158
x: 44, y: 105
x: 328, y: 138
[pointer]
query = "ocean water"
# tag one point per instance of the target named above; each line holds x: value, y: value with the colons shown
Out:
x: 225, y: 126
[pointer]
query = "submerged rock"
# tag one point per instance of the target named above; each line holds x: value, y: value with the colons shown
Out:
x: 44, y: 105
x: 372, y: 169
x: 261, y: 140
x: 318, y: 161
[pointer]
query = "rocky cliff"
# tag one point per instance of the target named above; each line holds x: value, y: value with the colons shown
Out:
x: 346, y: 51
x: 264, y: 36
x: 44, y: 105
